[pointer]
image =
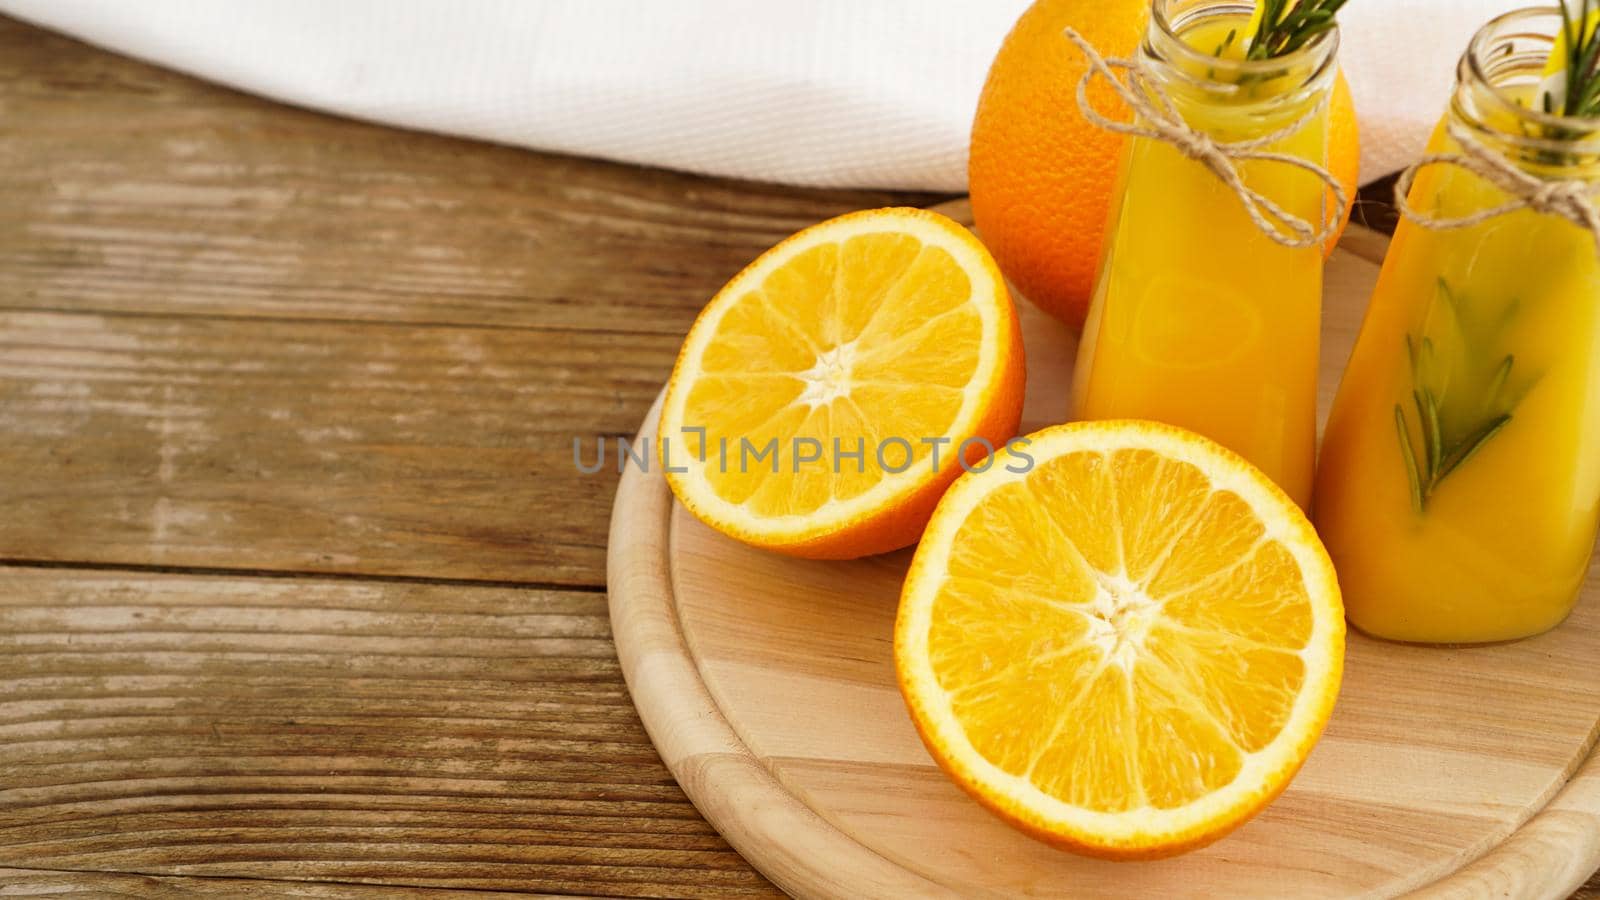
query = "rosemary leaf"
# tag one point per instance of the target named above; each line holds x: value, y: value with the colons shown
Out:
x: 1511, y: 310
x: 1497, y: 383
x: 1453, y: 424
x: 1569, y: 32
x: 1426, y: 457
x: 1306, y: 34
x: 1226, y: 42
x: 1466, y: 448
x: 1588, y: 84
x: 1433, y: 436
x: 1449, y: 298
x: 1586, y: 65
x: 1580, y: 63
x: 1410, y: 457
x: 1283, y: 30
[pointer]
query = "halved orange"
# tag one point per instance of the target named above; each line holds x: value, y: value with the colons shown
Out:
x: 866, y: 354
x: 1128, y: 649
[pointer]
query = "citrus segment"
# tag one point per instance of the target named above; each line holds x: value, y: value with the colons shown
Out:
x: 1126, y: 650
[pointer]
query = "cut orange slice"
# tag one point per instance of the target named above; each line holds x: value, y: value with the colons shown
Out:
x: 1127, y: 650
x: 821, y: 400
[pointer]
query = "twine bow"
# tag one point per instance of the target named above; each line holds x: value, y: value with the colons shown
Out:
x: 1156, y: 117
x: 1570, y: 199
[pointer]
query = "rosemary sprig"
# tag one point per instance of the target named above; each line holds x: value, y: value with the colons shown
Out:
x: 1233, y: 34
x: 1426, y: 472
x: 1581, y: 52
x: 1286, y: 25
x: 1450, y: 429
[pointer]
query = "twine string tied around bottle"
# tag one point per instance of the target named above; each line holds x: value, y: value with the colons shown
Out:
x: 1570, y: 199
x: 1157, y: 118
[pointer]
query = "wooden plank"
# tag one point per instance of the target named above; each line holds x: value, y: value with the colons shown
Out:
x: 467, y: 737
x: 442, y: 452
x: 124, y: 187
x: 70, y: 884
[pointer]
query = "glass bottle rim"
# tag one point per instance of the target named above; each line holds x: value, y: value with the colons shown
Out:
x: 1482, y: 75
x: 1168, y: 23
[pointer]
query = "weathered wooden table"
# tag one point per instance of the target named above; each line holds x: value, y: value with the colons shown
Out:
x: 301, y: 589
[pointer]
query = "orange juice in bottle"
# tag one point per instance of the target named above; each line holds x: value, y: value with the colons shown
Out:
x: 1200, y: 318
x: 1459, y: 488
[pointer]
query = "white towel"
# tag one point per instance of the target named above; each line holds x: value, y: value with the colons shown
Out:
x: 875, y: 93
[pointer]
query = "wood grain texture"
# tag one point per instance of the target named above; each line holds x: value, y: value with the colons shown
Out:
x: 307, y: 729
x: 66, y: 885
x: 236, y: 336
x: 1437, y: 772
x: 801, y: 852
x: 130, y: 188
x: 319, y: 345
x: 314, y: 446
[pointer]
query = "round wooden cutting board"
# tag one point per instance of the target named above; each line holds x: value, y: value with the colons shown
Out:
x: 767, y: 685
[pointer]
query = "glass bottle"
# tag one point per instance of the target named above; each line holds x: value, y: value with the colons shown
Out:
x: 1459, y: 489
x: 1199, y: 318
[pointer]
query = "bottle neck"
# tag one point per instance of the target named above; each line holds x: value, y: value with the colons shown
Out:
x: 1498, y: 99
x: 1194, y: 49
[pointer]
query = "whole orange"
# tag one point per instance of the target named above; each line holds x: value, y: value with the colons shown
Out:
x: 1041, y: 177
x: 1344, y: 150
